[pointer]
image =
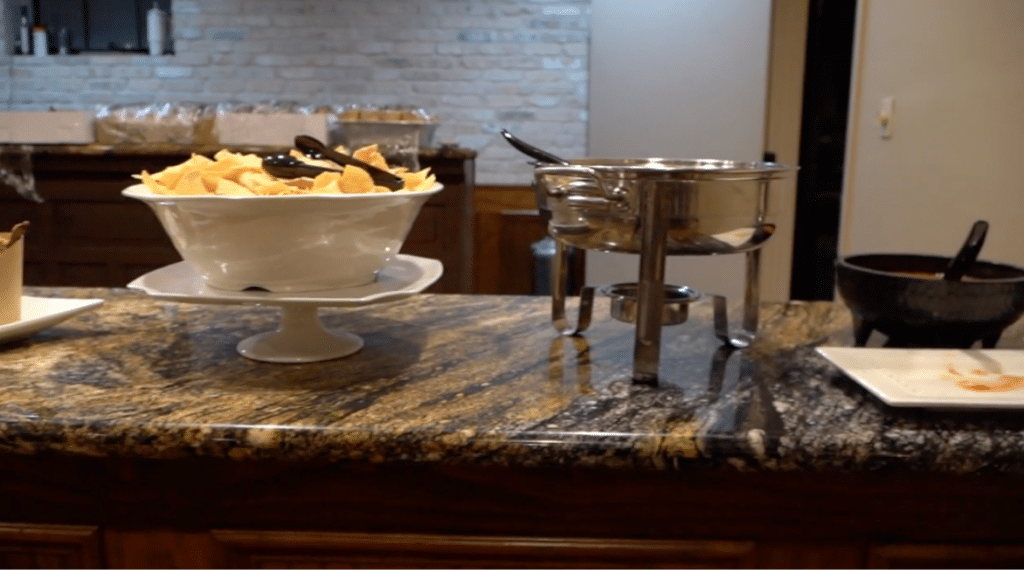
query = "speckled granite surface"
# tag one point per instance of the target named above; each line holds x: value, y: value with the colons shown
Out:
x: 472, y: 379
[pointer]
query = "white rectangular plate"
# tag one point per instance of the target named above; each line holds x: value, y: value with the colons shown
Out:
x: 38, y: 313
x: 938, y: 378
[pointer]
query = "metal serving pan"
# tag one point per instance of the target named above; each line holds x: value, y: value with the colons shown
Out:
x: 703, y: 206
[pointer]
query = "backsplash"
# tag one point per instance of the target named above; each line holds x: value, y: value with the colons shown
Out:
x: 479, y: 66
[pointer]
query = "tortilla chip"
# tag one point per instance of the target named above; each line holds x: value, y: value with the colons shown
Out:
x: 274, y: 189
x: 229, y: 188
x: 254, y: 179
x: 327, y: 183
x: 153, y: 185
x: 234, y: 174
x: 355, y: 180
x: 192, y: 184
x: 371, y: 155
x: 171, y: 175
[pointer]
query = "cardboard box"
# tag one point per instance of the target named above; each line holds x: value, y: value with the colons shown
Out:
x: 46, y: 127
x: 11, y: 263
x: 268, y: 129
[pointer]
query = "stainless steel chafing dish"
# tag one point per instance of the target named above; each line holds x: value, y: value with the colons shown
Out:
x: 657, y: 207
x: 703, y: 206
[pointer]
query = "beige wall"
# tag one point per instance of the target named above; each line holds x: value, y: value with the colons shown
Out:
x: 956, y: 71
x: 787, y: 58
x: 678, y: 80
x: 709, y: 79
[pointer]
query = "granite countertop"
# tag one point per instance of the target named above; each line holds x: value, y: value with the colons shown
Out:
x: 472, y: 379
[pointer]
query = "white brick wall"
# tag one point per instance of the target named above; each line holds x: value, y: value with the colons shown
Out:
x: 479, y: 65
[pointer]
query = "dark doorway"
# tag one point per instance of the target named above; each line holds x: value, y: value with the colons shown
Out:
x: 830, y: 34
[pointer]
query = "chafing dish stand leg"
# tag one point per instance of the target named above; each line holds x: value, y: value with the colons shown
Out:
x: 651, y: 287
x: 751, y: 306
x: 559, y: 283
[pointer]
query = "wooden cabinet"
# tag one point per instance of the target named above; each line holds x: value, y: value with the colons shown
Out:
x: 86, y: 234
x: 946, y: 556
x: 202, y: 513
x: 84, y: 546
x: 221, y: 548
x: 64, y: 511
x: 291, y: 549
x: 508, y: 225
x: 49, y: 546
x: 162, y: 548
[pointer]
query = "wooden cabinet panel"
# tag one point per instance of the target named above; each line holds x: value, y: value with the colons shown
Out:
x: 444, y: 229
x: 298, y: 549
x: 324, y: 549
x: 503, y: 259
x: 161, y: 549
x: 506, y: 264
x: 26, y: 545
x: 946, y: 556
x: 825, y: 554
x: 508, y: 224
x: 49, y: 546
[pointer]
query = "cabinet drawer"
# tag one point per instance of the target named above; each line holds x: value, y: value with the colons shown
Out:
x: 49, y: 546
x: 300, y: 549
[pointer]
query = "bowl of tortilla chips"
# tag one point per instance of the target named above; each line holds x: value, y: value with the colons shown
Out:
x: 241, y: 228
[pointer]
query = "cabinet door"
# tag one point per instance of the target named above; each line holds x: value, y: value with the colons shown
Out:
x: 161, y: 548
x: 508, y: 225
x: 946, y: 556
x: 301, y: 549
x: 49, y: 546
x: 818, y: 554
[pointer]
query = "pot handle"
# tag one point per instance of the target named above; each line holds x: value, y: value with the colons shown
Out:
x: 584, y: 180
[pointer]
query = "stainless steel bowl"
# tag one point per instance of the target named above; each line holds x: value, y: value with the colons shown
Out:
x: 674, y: 310
x: 707, y: 206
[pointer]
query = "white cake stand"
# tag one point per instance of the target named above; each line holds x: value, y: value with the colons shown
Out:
x: 300, y: 336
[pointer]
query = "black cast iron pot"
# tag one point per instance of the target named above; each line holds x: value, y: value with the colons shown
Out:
x: 904, y: 297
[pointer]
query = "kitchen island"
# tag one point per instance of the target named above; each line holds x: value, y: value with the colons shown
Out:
x: 467, y: 433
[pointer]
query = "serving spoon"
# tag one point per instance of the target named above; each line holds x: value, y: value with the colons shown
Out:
x: 313, y: 148
x: 287, y: 166
x: 968, y: 253
x: 532, y: 151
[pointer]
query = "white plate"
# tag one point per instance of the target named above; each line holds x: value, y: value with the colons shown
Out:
x: 404, y: 275
x: 301, y: 336
x: 939, y: 378
x: 38, y: 313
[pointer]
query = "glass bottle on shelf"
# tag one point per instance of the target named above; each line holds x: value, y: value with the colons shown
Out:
x: 156, y: 30
x: 25, y: 46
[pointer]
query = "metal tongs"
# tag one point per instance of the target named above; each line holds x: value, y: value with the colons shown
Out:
x: 287, y: 166
x: 313, y: 148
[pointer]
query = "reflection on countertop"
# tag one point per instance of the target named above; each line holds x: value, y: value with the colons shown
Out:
x: 464, y: 379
